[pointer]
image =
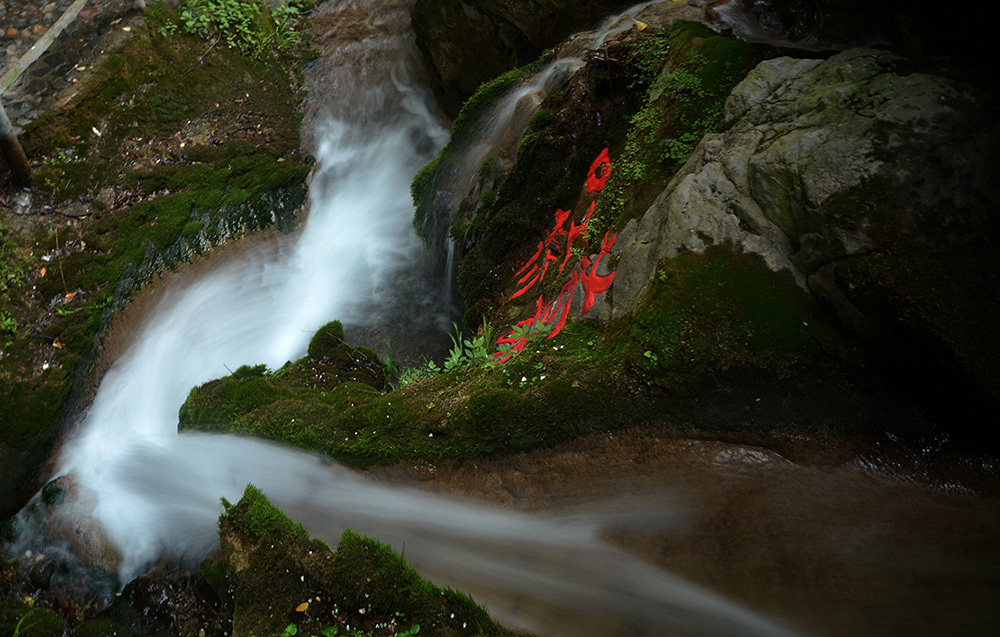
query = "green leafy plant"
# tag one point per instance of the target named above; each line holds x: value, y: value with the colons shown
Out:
x: 409, y: 375
x: 469, y: 352
x: 249, y: 27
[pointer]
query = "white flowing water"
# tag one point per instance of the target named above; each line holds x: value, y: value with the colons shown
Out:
x: 156, y: 492
x: 499, y: 130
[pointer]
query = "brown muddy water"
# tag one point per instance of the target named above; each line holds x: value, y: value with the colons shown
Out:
x: 843, y: 541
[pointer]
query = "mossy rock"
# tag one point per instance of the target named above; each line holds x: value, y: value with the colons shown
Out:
x: 102, y: 628
x: 184, y: 196
x: 262, y: 520
x: 40, y: 622
x: 274, y: 568
x: 11, y: 612
x: 327, y: 340
x: 717, y: 311
x: 656, y: 105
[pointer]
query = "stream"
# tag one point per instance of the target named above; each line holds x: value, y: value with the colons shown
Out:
x: 154, y: 492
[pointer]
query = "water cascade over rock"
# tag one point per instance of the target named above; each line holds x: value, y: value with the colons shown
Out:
x: 154, y: 493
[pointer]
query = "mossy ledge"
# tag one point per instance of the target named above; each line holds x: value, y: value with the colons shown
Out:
x: 718, y: 324
x: 169, y: 147
x: 272, y: 575
x: 269, y: 575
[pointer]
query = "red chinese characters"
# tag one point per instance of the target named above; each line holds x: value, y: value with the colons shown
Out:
x: 584, y: 277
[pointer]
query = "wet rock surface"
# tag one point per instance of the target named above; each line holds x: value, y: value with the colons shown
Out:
x: 54, y: 75
x: 793, y: 526
x: 866, y: 178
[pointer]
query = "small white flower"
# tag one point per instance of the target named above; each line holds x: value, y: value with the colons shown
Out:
x: 361, y: 611
x: 542, y: 377
x: 524, y: 379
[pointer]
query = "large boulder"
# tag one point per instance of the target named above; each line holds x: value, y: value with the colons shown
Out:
x: 868, y: 179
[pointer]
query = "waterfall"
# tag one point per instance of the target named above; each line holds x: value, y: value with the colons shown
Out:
x: 499, y: 130
x: 155, y: 492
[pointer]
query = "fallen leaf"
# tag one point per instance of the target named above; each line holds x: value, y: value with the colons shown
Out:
x: 640, y: 25
x: 44, y: 270
x: 58, y: 344
x: 302, y: 607
x: 69, y: 297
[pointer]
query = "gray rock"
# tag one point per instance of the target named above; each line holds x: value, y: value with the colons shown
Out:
x: 798, y: 135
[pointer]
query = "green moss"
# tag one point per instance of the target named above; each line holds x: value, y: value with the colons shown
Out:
x: 102, y: 628
x: 262, y: 520
x: 216, y: 575
x: 687, y: 73
x: 40, y: 622
x: 718, y: 311
x: 327, y: 340
x: 396, y: 585
x: 215, y: 405
x: 265, y: 575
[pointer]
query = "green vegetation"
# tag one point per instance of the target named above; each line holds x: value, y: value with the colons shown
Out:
x: 250, y: 27
x: 40, y: 622
x: 327, y: 340
x: 717, y: 312
x: 171, y: 147
x: 427, y: 220
x: 281, y: 582
x: 263, y: 520
x: 687, y: 73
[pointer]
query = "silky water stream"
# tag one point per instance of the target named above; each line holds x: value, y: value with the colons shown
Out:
x: 155, y: 493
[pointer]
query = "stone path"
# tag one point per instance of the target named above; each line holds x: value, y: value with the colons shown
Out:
x: 52, y: 77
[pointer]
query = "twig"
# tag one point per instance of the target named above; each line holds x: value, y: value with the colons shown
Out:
x: 59, y: 261
x: 210, y: 47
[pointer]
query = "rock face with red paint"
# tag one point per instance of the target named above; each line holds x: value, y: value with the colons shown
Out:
x: 862, y: 179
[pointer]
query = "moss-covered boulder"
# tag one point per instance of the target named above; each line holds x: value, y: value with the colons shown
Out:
x: 299, y: 403
x: 275, y: 576
x: 865, y: 177
x: 36, y: 622
x: 327, y: 340
x: 665, y: 91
